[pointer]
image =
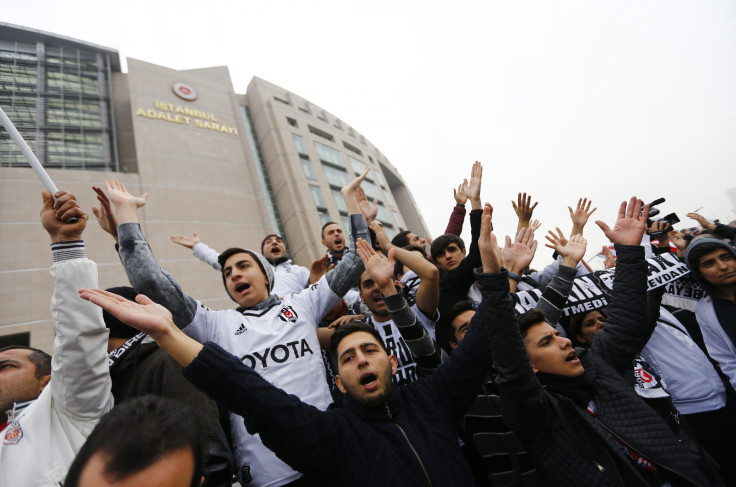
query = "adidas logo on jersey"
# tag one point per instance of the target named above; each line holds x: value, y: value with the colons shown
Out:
x: 241, y: 329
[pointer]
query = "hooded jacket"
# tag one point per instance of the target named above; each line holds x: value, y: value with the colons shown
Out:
x: 719, y: 344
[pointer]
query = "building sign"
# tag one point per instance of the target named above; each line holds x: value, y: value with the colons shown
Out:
x: 184, y: 91
x: 169, y: 112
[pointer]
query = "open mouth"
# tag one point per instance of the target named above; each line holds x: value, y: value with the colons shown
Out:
x: 572, y: 358
x: 368, y: 380
x: 338, y: 241
x: 242, y: 287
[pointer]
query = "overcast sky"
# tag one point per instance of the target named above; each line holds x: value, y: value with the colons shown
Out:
x: 604, y: 99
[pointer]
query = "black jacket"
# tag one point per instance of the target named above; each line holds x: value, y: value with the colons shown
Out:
x: 410, y: 440
x: 140, y: 368
x: 570, y: 446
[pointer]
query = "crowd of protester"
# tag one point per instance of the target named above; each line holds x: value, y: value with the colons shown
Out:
x: 391, y: 361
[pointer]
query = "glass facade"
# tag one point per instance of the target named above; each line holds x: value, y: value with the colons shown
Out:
x: 255, y: 148
x: 329, y: 155
x: 301, y: 149
x: 59, y: 100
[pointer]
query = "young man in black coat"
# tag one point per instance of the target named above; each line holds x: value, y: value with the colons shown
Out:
x: 580, y: 420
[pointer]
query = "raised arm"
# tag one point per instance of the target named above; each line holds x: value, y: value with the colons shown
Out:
x: 555, y: 294
x: 723, y: 231
x: 580, y: 215
x: 521, y: 392
x: 348, y: 270
x: 200, y: 250
x: 266, y: 410
x: 518, y: 255
x: 524, y: 210
x: 143, y: 270
x: 626, y: 332
x: 80, y: 380
x: 428, y: 291
x: 426, y: 353
x: 457, y: 217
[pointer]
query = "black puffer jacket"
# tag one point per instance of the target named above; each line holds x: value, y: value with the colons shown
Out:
x: 569, y: 445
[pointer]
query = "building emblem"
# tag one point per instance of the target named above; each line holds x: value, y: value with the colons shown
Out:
x: 184, y: 91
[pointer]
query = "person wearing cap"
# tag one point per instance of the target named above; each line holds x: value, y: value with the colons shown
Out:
x: 288, y: 278
x: 275, y: 336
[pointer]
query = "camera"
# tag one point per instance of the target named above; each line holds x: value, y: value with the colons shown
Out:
x: 671, y: 219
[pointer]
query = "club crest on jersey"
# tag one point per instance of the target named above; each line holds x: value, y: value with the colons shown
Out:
x: 288, y: 314
x: 13, y: 433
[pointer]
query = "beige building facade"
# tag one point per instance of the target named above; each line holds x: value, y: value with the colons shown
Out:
x: 231, y: 167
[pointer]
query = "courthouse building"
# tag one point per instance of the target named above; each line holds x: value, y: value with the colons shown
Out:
x: 232, y: 167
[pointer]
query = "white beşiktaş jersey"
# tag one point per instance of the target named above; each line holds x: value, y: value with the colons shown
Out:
x: 280, y: 343
x: 406, y: 371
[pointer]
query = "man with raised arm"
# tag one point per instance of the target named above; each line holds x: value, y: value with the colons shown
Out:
x: 276, y: 337
x: 288, y: 278
x: 448, y: 251
x: 383, y: 434
x: 406, y: 331
x: 580, y: 420
x: 49, y: 405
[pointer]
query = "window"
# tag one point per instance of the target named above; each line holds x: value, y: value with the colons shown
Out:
x: 345, y: 224
x: 291, y: 122
x: 285, y: 102
x: 301, y: 147
x: 339, y: 201
x: 359, y: 167
x: 319, y: 199
x: 397, y: 219
x: 383, y: 215
x: 329, y: 155
x: 324, y: 217
x: 336, y: 177
x: 321, y: 133
x: 352, y: 148
x: 308, y: 168
x: 371, y: 190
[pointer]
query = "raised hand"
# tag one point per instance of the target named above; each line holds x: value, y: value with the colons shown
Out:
x: 535, y: 225
x: 660, y: 231
x: 580, y: 215
x: 119, y: 195
x: 630, y: 224
x: 608, y: 259
x: 143, y: 315
x: 678, y: 239
x: 490, y: 254
x: 523, y: 209
x: 380, y: 268
x: 184, y: 241
x: 704, y: 223
x: 472, y: 190
x: 319, y: 268
x: 150, y: 318
x: 555, y: 241
x: 459, y: 194
x: 573, y: 251
x: 519, y: 254
x: 104, y: 214
x: 55, y: 214
x: 370, y: 211
x: 125, y: 203
x: 381, y: 237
